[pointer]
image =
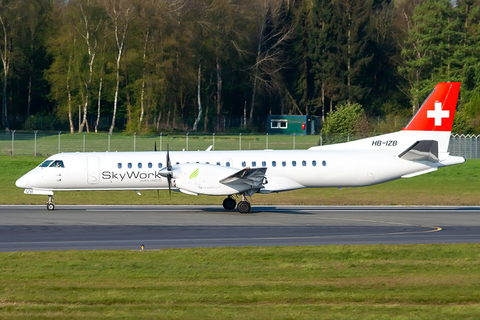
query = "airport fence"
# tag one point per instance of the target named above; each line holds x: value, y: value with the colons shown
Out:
x: 466, y: 146
x: 44, y: 144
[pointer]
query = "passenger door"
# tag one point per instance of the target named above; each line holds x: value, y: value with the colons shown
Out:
x: 93, y: 170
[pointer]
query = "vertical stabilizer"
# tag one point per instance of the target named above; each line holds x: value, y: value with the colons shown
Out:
x: 438, y: 110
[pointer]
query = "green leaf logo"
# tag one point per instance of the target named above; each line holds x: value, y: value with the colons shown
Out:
x: 194, y: 174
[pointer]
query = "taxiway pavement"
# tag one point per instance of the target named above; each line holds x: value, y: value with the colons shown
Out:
x: 32, y: 228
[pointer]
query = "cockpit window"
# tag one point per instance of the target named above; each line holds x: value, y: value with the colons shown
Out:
x: 57, y: 164
x: 45, y: 163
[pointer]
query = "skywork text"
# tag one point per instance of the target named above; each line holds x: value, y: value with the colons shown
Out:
x: 112, y: 175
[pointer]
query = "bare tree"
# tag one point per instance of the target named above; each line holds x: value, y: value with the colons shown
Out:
x: 120, y: 13
x: 91, y: 21
x: 270, y: 59
x: 199, y: 101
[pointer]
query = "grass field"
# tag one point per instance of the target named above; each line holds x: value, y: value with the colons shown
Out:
x: 455, y: 185
x: 326, y: 282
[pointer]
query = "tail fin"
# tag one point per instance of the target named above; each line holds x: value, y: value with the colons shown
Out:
x: 438, y: 110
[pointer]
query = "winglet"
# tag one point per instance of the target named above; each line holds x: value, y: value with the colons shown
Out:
x: 438, y: 110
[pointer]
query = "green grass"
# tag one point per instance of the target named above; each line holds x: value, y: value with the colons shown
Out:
x: 455, y: 185
x: 328, y: 282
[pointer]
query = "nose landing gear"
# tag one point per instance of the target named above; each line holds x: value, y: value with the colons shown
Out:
x: 50, y: 204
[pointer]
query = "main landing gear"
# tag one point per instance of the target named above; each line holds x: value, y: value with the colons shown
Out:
x: 242, y: 207
x: 50, y: 204
x: 229, y: 203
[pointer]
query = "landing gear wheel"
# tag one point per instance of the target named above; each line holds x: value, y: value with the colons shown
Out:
x: 50, y: 204
x: 244, y: 207
x: 229, y: 203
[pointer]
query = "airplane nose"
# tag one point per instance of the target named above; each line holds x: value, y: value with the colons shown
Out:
x: 22, y: 183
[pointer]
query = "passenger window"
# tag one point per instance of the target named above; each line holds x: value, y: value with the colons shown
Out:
x: 218, y: 163
x: 274, y: 163
x: 254, y: 163
x: 284, y: 163
x: 139, y: 165
x: 150, y: 165
x: 177, y: 162
x: 57, y: 164
x: 45, y: 163
x: 244, y: 164
x: 207, y: 162
x: 129, y: 165
x: 314, y: 163
x: 304, y: 163
x: 264, y: 163
x: 324, y: 163
x: 228, y: 164
x: 160, y: 165
x: 119, y: 165
x: 294, y: 163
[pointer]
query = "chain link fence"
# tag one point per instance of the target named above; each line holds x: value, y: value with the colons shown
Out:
x: 44, y: 144
x: 466, y: 146
x: 47, y: 143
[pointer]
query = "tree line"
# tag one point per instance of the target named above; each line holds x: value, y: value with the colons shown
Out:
x: 212, y: 65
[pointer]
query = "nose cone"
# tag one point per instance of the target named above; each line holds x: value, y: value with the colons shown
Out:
x: 22, y: 182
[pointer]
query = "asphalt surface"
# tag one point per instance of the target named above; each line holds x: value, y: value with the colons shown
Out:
x: 31, y: 228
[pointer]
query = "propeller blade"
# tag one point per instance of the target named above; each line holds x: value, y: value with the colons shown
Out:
x: 169, y: 169
x: 169, y: 179
x: 155, y: 147
x: 169, y: 164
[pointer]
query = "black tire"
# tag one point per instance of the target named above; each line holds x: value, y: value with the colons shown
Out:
x: 243, y: 207
x: 50, y: 206
x: 229, y: 203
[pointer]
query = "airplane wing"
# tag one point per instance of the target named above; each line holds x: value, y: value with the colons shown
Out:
x: 423, y: 150
x: 254, y: 177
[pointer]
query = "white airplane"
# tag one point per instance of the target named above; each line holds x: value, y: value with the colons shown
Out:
x: 419, y: 148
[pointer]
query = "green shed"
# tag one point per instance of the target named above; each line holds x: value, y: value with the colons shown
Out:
x: 291, y: 125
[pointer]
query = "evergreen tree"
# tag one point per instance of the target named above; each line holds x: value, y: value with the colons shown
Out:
x: 322, y: 54
x: 430, y: 46
x: 352, y: 37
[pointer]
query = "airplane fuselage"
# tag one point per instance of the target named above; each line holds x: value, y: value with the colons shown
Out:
x: 286, y: 169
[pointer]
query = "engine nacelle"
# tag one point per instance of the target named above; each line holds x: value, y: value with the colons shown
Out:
x: 201, y: 178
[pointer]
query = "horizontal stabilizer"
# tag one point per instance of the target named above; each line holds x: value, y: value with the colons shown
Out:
x: 251, y: 176
x: 424, y: 150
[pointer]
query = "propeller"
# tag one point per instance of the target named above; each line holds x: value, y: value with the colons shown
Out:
x: 167, y: 172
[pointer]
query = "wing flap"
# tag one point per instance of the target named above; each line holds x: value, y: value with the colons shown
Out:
x: 254, y: 177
